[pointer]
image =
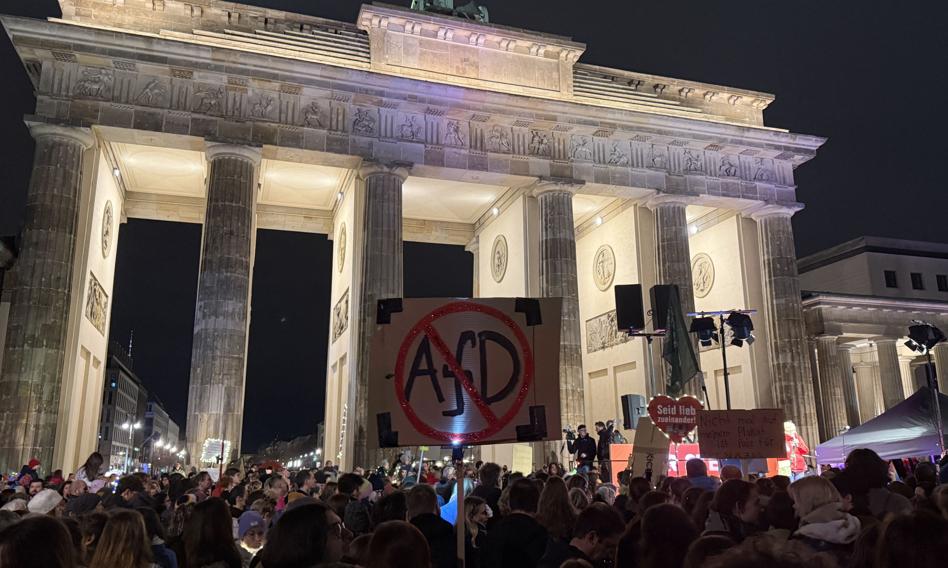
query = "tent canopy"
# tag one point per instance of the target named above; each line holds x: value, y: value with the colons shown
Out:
x: 905, y: 430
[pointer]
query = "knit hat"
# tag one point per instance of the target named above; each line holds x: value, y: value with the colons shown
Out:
x: 249, y: 520
x: 44, y: 501
x: 33, y: 463
x: 15, y: 505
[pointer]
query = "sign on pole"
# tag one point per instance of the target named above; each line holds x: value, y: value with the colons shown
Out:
x: 649, y: 451
x: 742, y: 433
x: 447, y: 371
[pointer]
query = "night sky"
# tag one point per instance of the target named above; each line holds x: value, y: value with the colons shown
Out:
x: 870, y: 77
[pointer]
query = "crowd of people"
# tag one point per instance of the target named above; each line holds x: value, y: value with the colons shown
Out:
x: 854, y: 516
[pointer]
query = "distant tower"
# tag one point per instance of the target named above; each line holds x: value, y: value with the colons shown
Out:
x: 131, y: 340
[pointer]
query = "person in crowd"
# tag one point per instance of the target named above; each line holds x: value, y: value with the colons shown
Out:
x: 305, y: 482
x: 869, y: 476
x: 425, y: 515
x: 397, y: 544
x: 476, y: 515
x: 779, y: 516
x: 209, y: 536
x: 202, y: 486
x: 391, y: 507
x: 585, y: 449
x: 306, y: 535
x: 129, y: 494
x: 36, y: 485
x: 824, y: 526
x: 690, y: 498
x: 237, y: 501
x: 358, y: 550
x: 735, y: 510
x: 124, y: 542
x: 604, y: 432
x: 37, y: 542
x: 489, y: 487
x: 731, y: 471
x: 555, y: 512
x: 358, y: 514
x: 594, y: 538
x: 91, y: 469
x: 667, y: 532
x: 703, y: 549
x: 250, y: 532
x: 796, y: 450
x: 912, y: 540
x: 47, y: 502
x: 697, y: 472
x: 518, y: 539
x: 163, y: 556
x: 579, y: 499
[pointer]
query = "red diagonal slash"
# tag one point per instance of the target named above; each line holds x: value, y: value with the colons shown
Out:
x: 458, y: 371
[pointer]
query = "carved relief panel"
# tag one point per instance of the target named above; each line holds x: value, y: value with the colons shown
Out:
x: 97, y: 304
x: 498, y: 258
x: 340, y: 316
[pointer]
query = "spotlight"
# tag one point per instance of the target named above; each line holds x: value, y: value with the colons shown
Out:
x: 116, y: 172
x: 706, y: 330
x: 923, y: 336
x: 741, y: 325
x: 495, y: 211
x: 598, y: 221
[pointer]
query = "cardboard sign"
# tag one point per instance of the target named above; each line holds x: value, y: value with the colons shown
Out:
x: 649, y: 457
x: 742, y: 433
x: 522, y: 459
x: 675, y: 417
x: 447, y: 371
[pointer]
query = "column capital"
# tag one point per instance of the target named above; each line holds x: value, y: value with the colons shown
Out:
x: 766, y: 210
x: 663, y: 199
x: 556, y: 185
x: 81, y: 136
x: 218, y: 149
x: 884, y: 340
x: 370, y: 168
x: 474, y: 245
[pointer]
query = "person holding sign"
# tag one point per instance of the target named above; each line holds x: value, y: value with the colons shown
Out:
x: 585, y: 449
x: 796, y: 449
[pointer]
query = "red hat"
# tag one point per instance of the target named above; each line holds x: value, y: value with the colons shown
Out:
x: 33, y: 463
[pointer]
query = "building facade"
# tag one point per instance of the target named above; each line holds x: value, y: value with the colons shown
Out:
x: 859, y: 300
x: 7, y: 260
x: 562, y: 179
x: 122, y: 419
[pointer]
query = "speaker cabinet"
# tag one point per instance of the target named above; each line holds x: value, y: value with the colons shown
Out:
x: 633, y: 408
x: 660, y: 296
x: 630, y: 314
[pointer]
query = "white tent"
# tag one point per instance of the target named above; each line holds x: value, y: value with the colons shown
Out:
x: 905, y: 430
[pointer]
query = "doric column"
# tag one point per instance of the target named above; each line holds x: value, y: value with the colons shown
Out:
x: 33, y: 357
x: 474, y: 248
x: 793, y: 386
x: 381, y: 278
x: 831, y: 385
x: 673, y: 255
x: 815, y: 373
x: 558, y: 280
x: 940, y: 355
x: 890, y: 371
x: 222, y: 313
x: 845, y: 353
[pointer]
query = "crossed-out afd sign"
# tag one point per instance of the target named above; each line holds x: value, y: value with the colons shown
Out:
x: 449, y: 371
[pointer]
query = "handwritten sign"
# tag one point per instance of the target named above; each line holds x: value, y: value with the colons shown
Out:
x: 649, y: 457
x: 742, y: 433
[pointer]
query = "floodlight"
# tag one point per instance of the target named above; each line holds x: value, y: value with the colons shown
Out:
x: 706, y: 330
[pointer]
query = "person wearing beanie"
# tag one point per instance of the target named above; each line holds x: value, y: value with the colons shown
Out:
x: 47, y: 502
x: 250, y: 530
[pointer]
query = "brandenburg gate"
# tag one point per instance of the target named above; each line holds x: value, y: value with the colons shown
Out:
x: 561, y: 178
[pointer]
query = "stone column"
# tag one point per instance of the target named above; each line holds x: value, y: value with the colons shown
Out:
x: 831, y: 385
x: 890, y: 371
x: 818, y: 400
x: 558, y: 280
x: 845, y: 353
x: 474, y: 248
x: 940, y: 355
x: 381, y: 278
x: 222, y: 313
x: 674, y: 262
x: 793, y: 385
x: 32, y: 372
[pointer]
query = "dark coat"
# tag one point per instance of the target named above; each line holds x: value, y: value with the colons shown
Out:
x: 440, y: 536
x: 557, y: 553
x: 517, y: 541
x: 584, y: 447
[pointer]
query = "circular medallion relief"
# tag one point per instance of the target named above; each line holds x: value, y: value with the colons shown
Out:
x: 108, y: 220
x: 604, y: 267
x: 702, y: 273
x: 498, y: 258
x: 341, y: 247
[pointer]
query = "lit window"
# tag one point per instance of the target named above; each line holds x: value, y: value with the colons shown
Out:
x: 890, y: 279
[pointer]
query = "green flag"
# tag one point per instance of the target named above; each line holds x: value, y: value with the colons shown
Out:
x: 677, y: 349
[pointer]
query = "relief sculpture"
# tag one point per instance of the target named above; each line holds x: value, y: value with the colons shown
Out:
x: 153, y: 93
x: 95, y: 83
x: 97, y: 304
x: 618, y: 156
x: 312, y: 116
x: 340, y: 316
x: 602, y: 332
x: 539, y: 143
x: 499, y: 140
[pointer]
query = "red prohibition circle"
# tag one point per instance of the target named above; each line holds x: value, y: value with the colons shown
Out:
x: 493, y: 425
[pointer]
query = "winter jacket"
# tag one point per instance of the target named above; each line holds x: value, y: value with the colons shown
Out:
x: 828, y: 529
x: 882, y: 502
x: 440, y: 536
x: 517, y: 541
x: 584, y: 447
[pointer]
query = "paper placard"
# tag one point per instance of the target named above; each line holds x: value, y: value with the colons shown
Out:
x: 742, y: 433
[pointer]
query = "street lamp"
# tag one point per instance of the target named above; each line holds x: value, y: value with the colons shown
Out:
x: 129, y: 427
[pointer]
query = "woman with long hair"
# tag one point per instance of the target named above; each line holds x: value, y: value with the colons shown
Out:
x: 209, y: 536
x: 555, y: 512
x: 476, y: 515
x: 124, y: 543
x: 735, y: 510
x: 37, y: 542
x: 90, y: 470
x: 307, y: 535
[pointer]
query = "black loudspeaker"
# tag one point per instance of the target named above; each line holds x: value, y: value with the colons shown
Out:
x: 660, y: 296
x: 633, y: 408
x: 629, y: 311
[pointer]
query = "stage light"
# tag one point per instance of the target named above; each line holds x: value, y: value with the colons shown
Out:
x: 923, y: 336
x: 706, y: 330
x: 741, y: 327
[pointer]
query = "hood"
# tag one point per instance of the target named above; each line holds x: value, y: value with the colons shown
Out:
x: 843, y: 529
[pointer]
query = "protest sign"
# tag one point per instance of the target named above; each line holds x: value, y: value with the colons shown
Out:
x: 649, y: 451
x: 464, y: 372
x: 742, y: 433
x: 675, y: 417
